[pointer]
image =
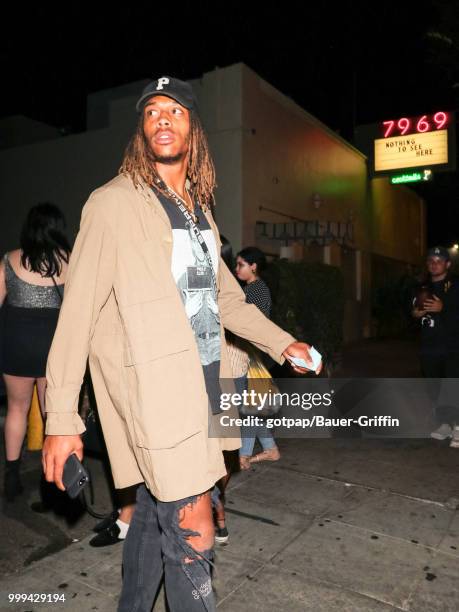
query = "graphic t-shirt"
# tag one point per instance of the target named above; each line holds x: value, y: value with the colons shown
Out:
x: 191, y: 271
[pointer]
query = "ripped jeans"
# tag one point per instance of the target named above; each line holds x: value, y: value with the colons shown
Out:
x: 171, y: 537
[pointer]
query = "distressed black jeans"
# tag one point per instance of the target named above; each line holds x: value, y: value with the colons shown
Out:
x: 160, y: 541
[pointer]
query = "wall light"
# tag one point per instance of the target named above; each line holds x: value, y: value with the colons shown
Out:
x: 316, y: 200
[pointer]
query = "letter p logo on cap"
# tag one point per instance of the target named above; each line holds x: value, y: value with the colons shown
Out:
x: 161, y: 82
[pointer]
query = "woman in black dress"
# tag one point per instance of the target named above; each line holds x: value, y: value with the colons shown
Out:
x: 31, y: 291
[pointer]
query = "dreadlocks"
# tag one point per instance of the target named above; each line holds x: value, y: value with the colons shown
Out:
x: 139, y: 162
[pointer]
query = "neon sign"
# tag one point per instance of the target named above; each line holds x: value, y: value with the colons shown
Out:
x: 413, y: 125
x: 413, y: 177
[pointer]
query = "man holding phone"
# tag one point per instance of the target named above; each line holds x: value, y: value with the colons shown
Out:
x: 437, y: 308
x: 147, y: 299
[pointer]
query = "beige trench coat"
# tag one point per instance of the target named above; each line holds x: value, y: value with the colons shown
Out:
x: 123, y: 310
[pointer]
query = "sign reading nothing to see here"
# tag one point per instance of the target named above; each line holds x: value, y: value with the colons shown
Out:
x: 408, y: 145
x: 415, y: 142
x: 411, y: 151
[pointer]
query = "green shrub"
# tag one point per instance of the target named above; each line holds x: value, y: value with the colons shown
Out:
x: 391, y: 305
x: 308, y: 302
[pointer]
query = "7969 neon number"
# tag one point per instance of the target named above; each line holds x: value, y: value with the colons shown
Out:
x: 406, y: 125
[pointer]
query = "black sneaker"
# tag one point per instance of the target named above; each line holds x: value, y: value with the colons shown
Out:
x: 107, y: 537
x: 106, y: 522
x: 221, y: 535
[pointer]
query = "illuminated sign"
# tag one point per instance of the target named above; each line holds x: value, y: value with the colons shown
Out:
x: 415, y: 125
x: 413, y: 177
x: 412, y: 151
x: 409, y: 144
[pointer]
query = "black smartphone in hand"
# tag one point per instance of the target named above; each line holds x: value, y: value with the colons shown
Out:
x: 75, y: 477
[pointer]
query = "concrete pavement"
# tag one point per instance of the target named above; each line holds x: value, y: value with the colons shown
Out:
x: 337, y: 525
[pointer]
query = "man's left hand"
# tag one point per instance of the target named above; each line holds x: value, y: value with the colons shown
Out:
x: 301, y: 350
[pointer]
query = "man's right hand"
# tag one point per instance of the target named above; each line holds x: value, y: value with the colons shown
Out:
x: 417, y: 314
x: 56, y: 451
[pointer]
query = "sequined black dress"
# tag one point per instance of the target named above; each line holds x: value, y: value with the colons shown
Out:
x: 29, y: 323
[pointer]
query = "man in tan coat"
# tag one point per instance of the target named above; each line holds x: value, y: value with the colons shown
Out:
x: 147, y: 299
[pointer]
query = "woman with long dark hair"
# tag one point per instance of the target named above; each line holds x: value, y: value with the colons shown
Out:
x: 31, y: 288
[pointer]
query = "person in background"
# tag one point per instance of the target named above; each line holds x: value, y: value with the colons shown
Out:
x: 218, y: 492
x: 250, y: 262
x: 31, y: 288
x: 436, y: 306
x: 114, y: 528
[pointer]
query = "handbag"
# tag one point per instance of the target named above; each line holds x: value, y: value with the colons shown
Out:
x: 261, y: 382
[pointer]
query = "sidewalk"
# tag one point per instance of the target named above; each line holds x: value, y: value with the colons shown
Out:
x: 335, y: 526
x: 382, y: 358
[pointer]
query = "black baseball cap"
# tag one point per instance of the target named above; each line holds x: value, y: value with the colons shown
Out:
x: 180, y: 91
x: 439, y: 251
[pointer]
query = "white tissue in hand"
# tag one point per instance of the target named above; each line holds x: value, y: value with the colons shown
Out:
x: 316, y: 358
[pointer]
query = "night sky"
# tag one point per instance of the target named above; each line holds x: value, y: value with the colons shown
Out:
x: 360, y: 62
